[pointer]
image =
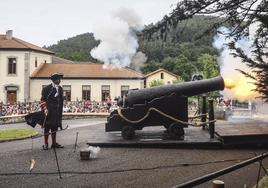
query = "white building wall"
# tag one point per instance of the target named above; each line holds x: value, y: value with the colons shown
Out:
x: 25, y: 67
x: 76, y: 87
x: 41, y: 58
x: 168, y: 78
x: 16, y: 80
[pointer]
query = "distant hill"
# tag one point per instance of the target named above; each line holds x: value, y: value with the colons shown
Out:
x: 75, y: 48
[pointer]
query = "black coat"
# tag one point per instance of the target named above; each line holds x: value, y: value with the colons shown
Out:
x: 54, y: 106
x: 35, y: 118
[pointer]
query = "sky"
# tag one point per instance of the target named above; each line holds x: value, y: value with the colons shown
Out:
x: 46, y: 22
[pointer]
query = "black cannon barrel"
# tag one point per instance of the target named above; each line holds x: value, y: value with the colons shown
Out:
x: 186, y: 89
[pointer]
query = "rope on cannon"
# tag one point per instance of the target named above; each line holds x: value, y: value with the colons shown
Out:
x: 165, y: 115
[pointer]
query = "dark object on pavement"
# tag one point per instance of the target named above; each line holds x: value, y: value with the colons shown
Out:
x: 45, y: 147
x: 57, y: 145
x: 84, y: 154
x: 159, y: 106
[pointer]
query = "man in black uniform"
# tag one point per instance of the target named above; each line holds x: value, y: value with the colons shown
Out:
x: 52, y: 103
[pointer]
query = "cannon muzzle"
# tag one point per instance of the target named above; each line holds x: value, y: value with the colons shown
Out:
x: 182, y: 89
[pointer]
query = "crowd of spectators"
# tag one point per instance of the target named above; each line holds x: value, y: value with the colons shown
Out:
x: 88, y: 107
x: 20, y: 108
x: 107, y: 106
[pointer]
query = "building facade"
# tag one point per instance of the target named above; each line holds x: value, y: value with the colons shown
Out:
x: 26, y: 68
x: 162, y: 75
x: 18, y: 60
x: 87, y: 81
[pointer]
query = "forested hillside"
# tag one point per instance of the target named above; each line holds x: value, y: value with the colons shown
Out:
x: 182, y: 51
x: 76, y: 48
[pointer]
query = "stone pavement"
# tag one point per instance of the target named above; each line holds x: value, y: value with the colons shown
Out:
x: 117, y: 167
x: 123, y: 167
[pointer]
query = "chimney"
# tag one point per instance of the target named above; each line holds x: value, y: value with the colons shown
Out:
x: 9, y: 34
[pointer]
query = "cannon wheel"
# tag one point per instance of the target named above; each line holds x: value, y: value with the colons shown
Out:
x: 176, y: 131
x: 128, y: 132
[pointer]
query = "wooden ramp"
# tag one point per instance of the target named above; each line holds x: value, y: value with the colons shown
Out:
x: 243, y: 133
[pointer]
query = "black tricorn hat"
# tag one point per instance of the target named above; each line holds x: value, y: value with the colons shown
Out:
x: 56, y: 76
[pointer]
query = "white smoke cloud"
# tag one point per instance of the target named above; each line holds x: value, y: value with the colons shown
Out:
x: 138, y: 60
x: 118, y: 38
x: 229, y: 64
x: 130, y: 17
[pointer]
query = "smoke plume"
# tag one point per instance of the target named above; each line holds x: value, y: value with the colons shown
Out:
x: 242, y: 87
x: 118, y: 38
x: 138, y: 60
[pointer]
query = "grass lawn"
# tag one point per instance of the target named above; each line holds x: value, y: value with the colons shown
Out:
x: 16, y: 133
x: 263, y: 183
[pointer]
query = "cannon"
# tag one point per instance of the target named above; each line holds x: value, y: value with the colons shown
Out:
x: 159, y: 106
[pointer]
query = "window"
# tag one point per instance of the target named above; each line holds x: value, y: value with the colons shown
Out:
x: 124, y: 90
x: 162, y: 75
x: 12, y: 65
x: 86, y: 92
x: 67, y: 92
x: 35, y: 62
x: 105, y: 92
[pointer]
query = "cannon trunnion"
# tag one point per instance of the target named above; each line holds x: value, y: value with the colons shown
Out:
x: 160, y: 106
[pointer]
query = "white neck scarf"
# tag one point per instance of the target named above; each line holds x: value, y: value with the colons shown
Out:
x: 57, y: 89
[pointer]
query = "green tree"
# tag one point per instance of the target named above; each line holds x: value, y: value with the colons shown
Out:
x: 184, y: 68
x: 169, y: 63
x: 178, y: 80
x: 75, y: 48
x: 150, y: 67
x: 156, y: 83
x: 208, y: 65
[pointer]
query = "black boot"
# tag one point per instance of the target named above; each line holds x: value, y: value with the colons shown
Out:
x: 56, y: 146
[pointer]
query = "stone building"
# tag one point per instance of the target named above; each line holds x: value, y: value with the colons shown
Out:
x: 18, y: 60
x: 162, y: 75
x: 25, y: 68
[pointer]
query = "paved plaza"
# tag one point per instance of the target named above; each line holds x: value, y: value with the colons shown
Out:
x: 115, y: 167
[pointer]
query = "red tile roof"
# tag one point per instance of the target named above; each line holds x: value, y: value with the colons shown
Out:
x: 81, y: 71
x: 17, y: 44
